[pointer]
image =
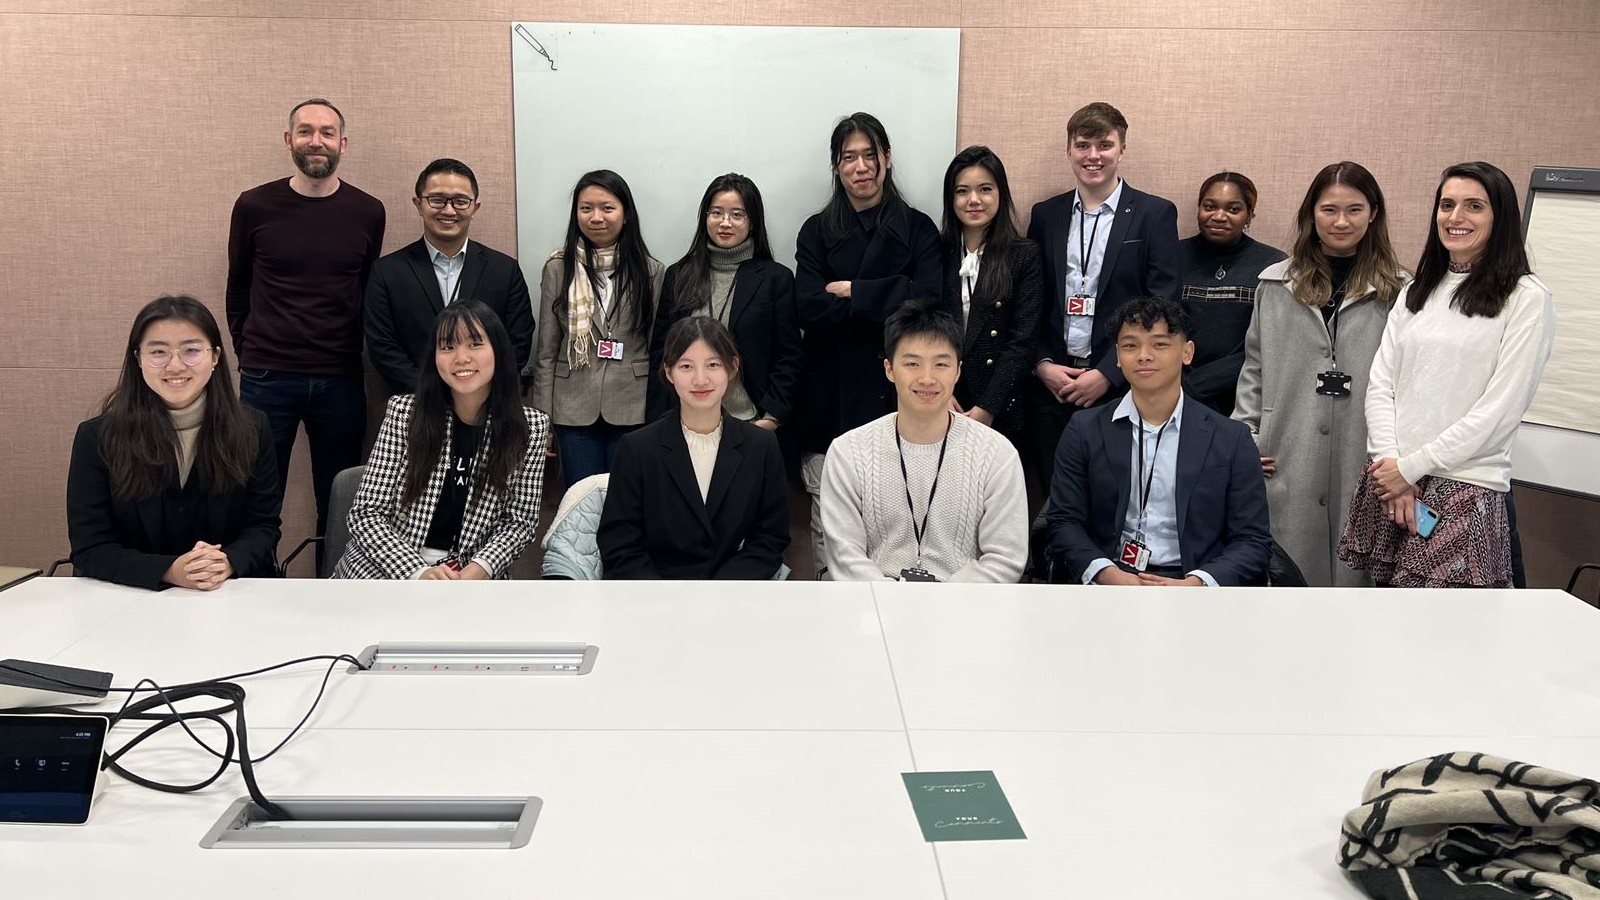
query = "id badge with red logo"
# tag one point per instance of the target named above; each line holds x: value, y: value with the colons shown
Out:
x: 608, y: 349
x: 1080, y: 305
x: 1135, y: 555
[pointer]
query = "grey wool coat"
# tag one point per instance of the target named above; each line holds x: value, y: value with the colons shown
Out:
x: 1320, y: 442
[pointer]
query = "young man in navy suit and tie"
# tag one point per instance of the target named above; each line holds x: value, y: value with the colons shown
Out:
x: 1104, y: 242
x: 1158, y: 490
x: 411, y: 286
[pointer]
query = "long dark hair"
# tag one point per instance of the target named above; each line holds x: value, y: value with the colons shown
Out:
x: 505, y: 438
x: 1497, y: 269
x: 838, y: 215
x: 994, y: 276
x: 137, y: 438
x: 1376, y: 265
x: 691, y: 284
x: 632, y: 279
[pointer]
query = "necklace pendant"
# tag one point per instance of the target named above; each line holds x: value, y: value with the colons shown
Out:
x: 1221, y: 273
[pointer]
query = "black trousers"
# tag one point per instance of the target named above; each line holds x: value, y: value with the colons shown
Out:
x: 1047, y: 419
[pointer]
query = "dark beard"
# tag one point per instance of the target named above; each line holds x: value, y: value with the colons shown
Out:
x: 315, y: 168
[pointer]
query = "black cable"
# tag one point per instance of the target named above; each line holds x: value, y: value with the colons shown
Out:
x: 220, y: 688
x: 345, y: 657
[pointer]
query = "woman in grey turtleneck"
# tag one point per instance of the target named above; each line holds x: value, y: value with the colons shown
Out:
x: 729, y: 274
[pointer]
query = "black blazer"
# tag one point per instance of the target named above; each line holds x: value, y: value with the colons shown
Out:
x: 762, y: 318
x: 133, y: 542
x: 1001, y: 335
x: 842, y: 365
x: 403, y: 300
x: 1141, y: 260
x: 656, y: 526
x: 1222, y: 498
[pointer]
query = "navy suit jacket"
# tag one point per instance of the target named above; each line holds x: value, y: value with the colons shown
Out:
x: 1141, y: 260
x: 403, y: 300
x: 1222, y: 498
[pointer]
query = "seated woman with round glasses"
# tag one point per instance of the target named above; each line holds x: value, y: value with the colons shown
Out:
x: 175, y: 482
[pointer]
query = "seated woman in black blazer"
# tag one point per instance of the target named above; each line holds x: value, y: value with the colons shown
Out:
x: 696, y: 494
x: 729, y: 274
x: 993, y: 285
x: 175, y: 482
x: 451, y: 490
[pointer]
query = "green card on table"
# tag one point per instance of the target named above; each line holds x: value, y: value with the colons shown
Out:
x: 961, y: 806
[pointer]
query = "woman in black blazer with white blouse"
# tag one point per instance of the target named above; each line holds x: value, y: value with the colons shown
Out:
x: 696, y: 494
x: 729, y: 274
x: 451, y: 490
x: 993, y: 284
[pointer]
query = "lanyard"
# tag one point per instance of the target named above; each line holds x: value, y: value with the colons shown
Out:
x: 1147, y: 480
x: 922, y: 529
x: 1083, y: 248
x: 1337, y: 299
x: 609, y: 307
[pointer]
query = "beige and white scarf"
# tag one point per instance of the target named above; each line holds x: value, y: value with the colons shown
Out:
x: 583, y: 305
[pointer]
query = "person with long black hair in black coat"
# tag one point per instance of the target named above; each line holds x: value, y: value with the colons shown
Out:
x: 175, y: 483
x: 994, y: 286
x: 729, y: 274
x: 856, y: 262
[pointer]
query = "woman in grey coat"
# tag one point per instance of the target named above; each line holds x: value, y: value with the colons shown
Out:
x: 1318, y: 318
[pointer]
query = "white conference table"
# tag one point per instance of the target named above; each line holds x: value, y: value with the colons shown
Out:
x: 747, y: 740
x: 43, y: 616
x: 648, y: 814
x: 790, y: 655
x: 1245, y: 661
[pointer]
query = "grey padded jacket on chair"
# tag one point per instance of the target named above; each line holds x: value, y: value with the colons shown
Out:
x: 570, y: 551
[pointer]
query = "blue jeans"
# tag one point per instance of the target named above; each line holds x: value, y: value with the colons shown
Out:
x: 334, y: 410
x: 588, y: 449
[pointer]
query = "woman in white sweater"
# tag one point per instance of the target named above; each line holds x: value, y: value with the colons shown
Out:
x: 1461, y: 355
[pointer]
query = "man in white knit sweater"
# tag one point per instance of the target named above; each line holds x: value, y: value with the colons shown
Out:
x: 922, y: 494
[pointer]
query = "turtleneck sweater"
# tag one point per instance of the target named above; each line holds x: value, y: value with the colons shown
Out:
x: 186, y: 422
x: 724, y: 266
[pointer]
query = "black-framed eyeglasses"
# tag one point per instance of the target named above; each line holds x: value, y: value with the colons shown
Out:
x: 438, y: 202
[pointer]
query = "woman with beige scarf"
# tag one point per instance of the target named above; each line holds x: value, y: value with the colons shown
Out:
x: 597, y: 297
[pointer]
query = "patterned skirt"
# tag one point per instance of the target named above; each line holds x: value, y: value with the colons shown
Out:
x: 1470, y: 547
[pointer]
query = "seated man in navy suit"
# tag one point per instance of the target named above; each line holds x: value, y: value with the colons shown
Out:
x: 1158, y: 490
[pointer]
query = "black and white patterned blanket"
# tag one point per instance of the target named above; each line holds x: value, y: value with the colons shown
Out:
x: 1468, y: 826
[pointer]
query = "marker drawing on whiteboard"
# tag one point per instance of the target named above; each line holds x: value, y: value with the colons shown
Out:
x: 534, y: 43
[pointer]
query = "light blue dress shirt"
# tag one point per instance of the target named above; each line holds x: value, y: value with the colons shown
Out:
x: 1160, y: 465
x: 1085, y: 279
x: 447, y: 269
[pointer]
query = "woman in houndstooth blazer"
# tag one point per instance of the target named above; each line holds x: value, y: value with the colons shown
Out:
x: 452, y: 487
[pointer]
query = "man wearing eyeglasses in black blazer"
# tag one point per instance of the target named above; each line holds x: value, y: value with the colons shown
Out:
x: 410, y: 286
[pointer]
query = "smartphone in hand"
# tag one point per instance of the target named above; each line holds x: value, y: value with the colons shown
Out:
x: 1427, y: 520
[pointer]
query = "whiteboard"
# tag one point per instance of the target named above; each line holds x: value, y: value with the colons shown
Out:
x: 670, y: 107
x: 1558, y: 443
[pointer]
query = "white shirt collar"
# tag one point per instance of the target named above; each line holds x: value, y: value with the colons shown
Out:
x: 435, y: 254
x: 1126, y: 410
x: 1113, y: 201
